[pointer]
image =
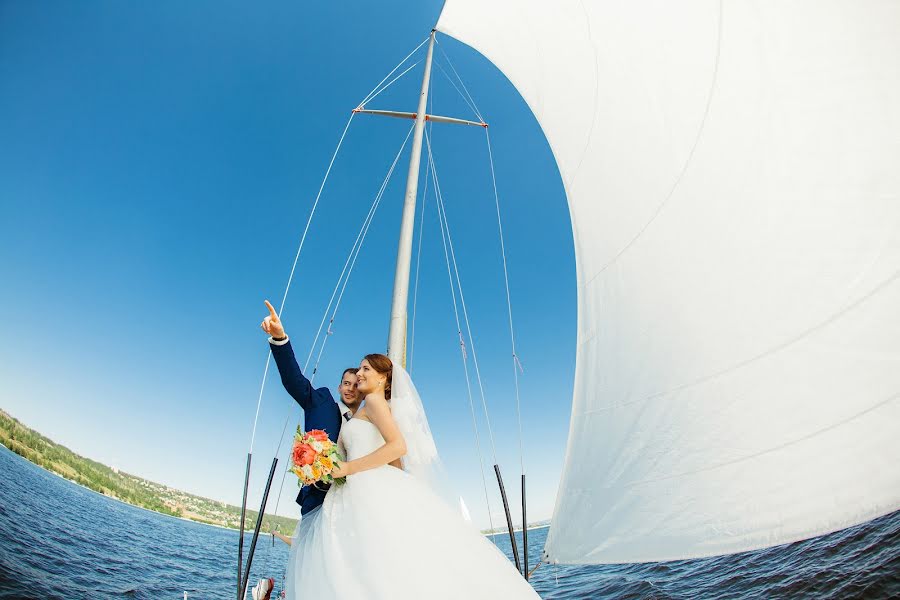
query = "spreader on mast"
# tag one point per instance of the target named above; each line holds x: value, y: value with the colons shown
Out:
x: 396, y: 349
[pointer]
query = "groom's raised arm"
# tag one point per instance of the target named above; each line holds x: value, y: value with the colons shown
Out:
x: 296, y: 384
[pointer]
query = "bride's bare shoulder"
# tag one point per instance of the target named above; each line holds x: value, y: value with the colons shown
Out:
x: 376, y: 405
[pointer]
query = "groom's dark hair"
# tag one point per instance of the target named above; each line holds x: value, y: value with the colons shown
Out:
x: 349, y: 370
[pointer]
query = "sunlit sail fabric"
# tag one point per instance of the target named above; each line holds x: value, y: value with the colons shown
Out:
x: 733, y: 177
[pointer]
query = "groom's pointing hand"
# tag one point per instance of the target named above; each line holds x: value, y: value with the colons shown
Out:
x: 272, y: 324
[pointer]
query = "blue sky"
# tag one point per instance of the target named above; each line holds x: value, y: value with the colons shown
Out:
x: 158, y: 162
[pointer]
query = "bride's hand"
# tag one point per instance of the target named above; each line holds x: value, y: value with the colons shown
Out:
x: 341, y: 470
x: 272, y: 324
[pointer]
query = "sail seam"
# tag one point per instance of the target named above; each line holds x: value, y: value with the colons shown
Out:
x: 802, y: 335
x: 750, y: 456
x: 687, y: 162
x: 590, y: 135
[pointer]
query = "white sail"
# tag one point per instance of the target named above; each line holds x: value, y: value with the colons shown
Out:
x: 733, y: 177
x: 464, y: 510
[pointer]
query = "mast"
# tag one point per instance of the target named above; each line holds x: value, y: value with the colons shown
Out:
x: 396, y: 348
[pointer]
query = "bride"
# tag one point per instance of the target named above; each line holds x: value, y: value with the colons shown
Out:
x: 389, y: 533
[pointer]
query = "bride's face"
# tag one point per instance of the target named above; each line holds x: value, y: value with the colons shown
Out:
x: 369, y: 380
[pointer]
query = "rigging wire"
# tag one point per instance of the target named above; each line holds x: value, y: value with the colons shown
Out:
x: 466, y: 100
x: 373, y: 93
x: 359, y: 247
x: 390, y: 84
x: 472, y: 100
x: 287, y: 287
x: 350, y: 257
x: 516, y: 365
x: 449, y: 257
x: 342, y: 284
x: 462, y: 344
x: 262, y: 386
x: 412, y: 345
x: 462, y: 301
x: 348, y: 268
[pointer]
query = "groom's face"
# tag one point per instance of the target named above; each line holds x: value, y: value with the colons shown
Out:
x: 349, y: 393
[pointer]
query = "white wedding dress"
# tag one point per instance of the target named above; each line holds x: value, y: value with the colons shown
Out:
x: 386, y: 534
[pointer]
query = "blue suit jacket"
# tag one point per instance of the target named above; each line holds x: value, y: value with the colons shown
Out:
x: 319, y: 409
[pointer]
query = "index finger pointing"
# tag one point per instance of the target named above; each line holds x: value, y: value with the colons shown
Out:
x: 272, y: 310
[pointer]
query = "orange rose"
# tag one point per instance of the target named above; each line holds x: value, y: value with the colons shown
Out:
x: 318, y: 435
x: 303, y: 454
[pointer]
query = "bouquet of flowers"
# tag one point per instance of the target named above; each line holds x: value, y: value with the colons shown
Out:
x: 314, y: 457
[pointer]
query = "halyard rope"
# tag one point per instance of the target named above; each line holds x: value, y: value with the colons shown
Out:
x: 287, y: 287
x: 375, y: 91
x: 462, y: 345
x: 342, y: 284
x: 354, y: 252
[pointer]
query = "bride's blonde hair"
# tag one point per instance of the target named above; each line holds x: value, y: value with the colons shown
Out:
x: 383, y: 366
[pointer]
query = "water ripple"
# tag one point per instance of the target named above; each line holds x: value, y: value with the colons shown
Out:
x: 59, y: 540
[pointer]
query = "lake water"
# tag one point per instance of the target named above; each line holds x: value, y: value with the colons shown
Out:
x: 59, y: 540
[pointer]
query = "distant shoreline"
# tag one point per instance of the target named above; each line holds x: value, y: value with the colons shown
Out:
x: 128, y: 489
x: 84, y: 487
x: 106, y: 481
x: 187, y: 520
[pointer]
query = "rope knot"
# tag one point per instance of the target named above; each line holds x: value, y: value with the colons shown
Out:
x: 462, y: 346
x: 518, y: 364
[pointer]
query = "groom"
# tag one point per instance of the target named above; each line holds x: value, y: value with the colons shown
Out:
x: 319, y: 407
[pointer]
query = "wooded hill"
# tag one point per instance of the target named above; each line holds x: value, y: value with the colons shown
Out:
x: 126, y: 487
